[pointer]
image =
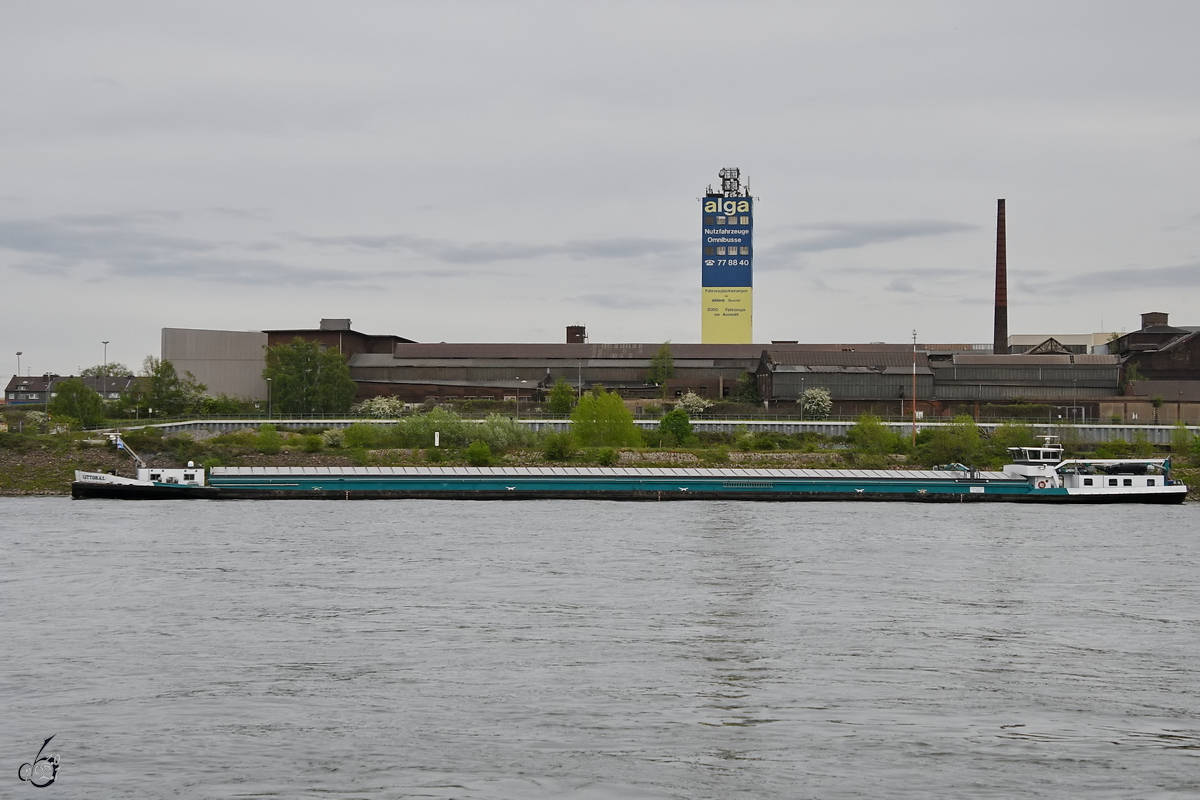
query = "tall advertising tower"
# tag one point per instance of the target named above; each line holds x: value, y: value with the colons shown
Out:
x: 727, y: 253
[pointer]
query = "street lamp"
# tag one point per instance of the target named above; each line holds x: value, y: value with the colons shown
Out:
x: 104, y: 371
x: 268, y: 398
x: 517, y: 413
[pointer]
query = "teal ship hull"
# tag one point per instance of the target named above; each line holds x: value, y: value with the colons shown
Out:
x: 598, y: 483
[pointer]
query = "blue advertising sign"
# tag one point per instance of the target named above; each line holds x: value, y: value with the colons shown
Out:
x: 727, y: 249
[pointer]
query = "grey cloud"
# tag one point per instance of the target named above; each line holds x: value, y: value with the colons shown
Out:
x: 240, y: 271
x: 486, y: 252
x: 120, y: 244
x: 98, y: 237
x: 623, y: 301
x: 1181, y: 276
x: 912, y: 272
x: 43, y: 267
x: 848, y: 235
x: 241, y: 213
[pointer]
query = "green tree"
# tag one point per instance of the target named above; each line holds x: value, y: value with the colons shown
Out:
x: 226, y: 406
x: 957, y: 442
x: 112, y: 369
x: 74, y: 399
x: 558, y: 447
x: 419, y: 429
x: 383, y: 407
x: 166, y: 391
x: 268, y: 440
x: 501, y: 433
x: 816, y: 403
x: 479, y: 454
x: 600, y: 419
x: 562, y: 397
x: 747, y: 389
x: 675, y: 427
x: 662, y: 367
x: 1181, y: 439
x: 308, y: 378
x: 870, y: 437
x: 132, y: 401
x: 1006, y: 435
x: 694, y: 404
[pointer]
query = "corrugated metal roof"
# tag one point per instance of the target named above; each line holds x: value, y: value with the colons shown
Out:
x: 37, y: 383
x: 842, y: 358
x: 641, y: 350
x: 1022, y: 359
x: 1180, y: 342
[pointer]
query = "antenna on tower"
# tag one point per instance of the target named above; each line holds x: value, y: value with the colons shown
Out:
x: 731, y: 184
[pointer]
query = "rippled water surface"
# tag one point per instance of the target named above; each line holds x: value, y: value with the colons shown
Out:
x: 593, y: 650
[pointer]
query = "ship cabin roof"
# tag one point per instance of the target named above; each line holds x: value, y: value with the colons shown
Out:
x: 1050, y: 451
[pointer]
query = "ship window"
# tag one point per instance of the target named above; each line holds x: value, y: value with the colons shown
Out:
x: 155, y: 476
x: 1128, y: 481
x: 1112, y: 481
x: 189, y: 476
x: 1150, y: 481
x: 1087, y: 481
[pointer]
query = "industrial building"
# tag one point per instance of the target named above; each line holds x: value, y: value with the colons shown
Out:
x: 232, y: 362
x: 227, y: 362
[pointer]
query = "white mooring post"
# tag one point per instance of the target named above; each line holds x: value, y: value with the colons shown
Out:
x: 437, y: 438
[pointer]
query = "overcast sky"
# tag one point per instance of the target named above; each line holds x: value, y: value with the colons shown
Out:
x: 495, y: 171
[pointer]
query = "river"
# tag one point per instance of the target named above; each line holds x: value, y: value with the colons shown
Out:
x: 595, y: 650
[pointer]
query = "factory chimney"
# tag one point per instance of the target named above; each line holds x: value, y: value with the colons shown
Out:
x: 1000, y: 334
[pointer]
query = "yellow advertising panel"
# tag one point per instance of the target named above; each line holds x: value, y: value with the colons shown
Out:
x: 726, y: 316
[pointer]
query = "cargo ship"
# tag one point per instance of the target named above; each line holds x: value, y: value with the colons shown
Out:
x: 1038, y: 473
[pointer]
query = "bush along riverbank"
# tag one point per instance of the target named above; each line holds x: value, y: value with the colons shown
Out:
x: 39, y: 464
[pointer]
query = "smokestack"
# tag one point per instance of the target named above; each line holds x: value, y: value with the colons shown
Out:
x: 1000, y: 334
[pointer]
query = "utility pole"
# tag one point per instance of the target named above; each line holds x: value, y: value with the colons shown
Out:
x: 104, y: 373
x: 914, y: 390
